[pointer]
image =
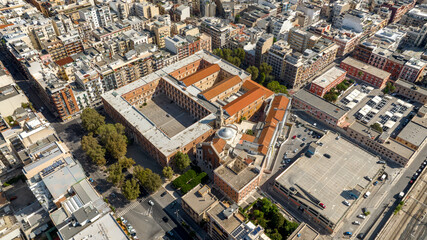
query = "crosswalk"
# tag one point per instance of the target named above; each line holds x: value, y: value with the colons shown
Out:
x: 130, y: 207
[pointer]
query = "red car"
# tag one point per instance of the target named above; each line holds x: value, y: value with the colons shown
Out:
x: 295, y: 136
x: 322, y: 205
x: 412, y: 181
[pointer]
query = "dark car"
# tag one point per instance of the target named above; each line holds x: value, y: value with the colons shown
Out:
x: 302, y: 145
x: 163, y: 194
x: 327, y: 155
x: 165, y: 219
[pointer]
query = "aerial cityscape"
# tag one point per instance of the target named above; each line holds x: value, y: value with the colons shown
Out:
x: 213, y: 119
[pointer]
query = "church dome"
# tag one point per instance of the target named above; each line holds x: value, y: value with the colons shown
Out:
x: 226, y: 133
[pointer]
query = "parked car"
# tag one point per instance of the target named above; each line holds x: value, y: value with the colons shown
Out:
x: 361, y: 216
x: 151, y: 202
x: 327, y: 155
x: 303, y: 139
x: 163, y: 194
x: 346, y: 203
x: 302, y: 145
x: 322, y: 205
x: 165, y: 219
x: 381, y: 162
x: 348, y: 233
x: 299, y: 135
x: 295, y: 136
x: 375, y: 183
x: 170, y: 233
x: 361, y: 236
x: 296, y: 150
x: 356, y: 223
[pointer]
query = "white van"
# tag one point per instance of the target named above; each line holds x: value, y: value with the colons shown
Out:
x: 367, y: 194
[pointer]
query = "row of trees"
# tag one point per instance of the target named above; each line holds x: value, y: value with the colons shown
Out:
x: 235, y: 57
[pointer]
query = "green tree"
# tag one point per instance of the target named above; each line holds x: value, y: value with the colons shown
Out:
x: 274, y: 39
x: 182, y: 161
x: 277, y: 220
x: 141, y: 173
x: 115, y: 174
x: 276, y: 87
x: 236, y: 18
x: 265, y: 68
x: 261, y: 78
x: 253, y: 71
x: 389, y: 88
x: 126, y: 162
x: 114, y: 140
x: 227, y: 53
x: 377, y: 127
x: 91, y: 119
x: 275, y: 235
x: 154, y: 182
x: 240, y: 53
x: 167, y: 172
x: 236, y: 61
x: 218, y: 52
x: 93, y: 149
x: 131, y: 189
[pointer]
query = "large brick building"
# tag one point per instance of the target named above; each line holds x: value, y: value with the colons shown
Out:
x: 176, y: 108
x: 365, y: 72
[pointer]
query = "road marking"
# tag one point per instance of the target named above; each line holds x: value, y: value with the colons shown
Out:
x: 130, y: 207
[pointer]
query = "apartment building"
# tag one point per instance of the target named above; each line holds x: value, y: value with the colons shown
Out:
x: 276, y: 56
x: 197, y: 202
x: 145, y: 9
x: 217, y: 29
x: 188, y: 45
x: 346, y: 41
x: 398, y: 9
x: 300, y: 40
x: 263, y: 44
x: 161, y: 31
x: 328, y: 80
x: 413, y: 70
x: 300, y: 68
x: 98, y: 16
x: 415, y: 17
x: 367, y: 73
x: 411, y: 91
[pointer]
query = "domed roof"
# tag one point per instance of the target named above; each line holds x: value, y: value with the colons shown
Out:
x: 226, y: 133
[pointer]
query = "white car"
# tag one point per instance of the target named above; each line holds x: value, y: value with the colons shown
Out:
x: 296, y: 150
x: 356, y: 223
x: 361, y: 216
x: 346, y: 203
x: 151, y: 202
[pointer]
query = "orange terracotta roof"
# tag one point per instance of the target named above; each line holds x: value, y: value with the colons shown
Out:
x: 274, y: 116
x: 62, y: 62
x: 255, y: 92
x: 219, y: 144
x: 247, y: 137
x: 5, y: 25
x: 199, y: 75
x: 221, y: 87
x: 243, y: 101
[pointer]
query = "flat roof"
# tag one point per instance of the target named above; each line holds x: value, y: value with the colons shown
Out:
x: 228, y: 224
x: 105, y: 227
x: 409, y: 85
x: 329, y: 76
x: 366, y: 68
x: 60, y: 181
x: 198, y: 202
x: 236, y: 180
x: 304, y: 232
x: 413, y: 133
x: 329, y: 179
x: 319, y: 103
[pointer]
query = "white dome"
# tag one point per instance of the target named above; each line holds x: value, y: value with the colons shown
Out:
x: 226, y: 133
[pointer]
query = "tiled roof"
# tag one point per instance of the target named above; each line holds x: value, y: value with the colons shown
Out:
x: 199, y: 75
x: 274, y: 116
x: 62, y: 62
x: 219, y: 144
x: 221, y: 87
x: 247, y: 137
x: 255, y: 92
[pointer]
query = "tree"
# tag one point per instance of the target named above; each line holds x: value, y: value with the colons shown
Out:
x: 276, y: 87
x: 91, y: 119
x: 236, y: 18
x: 227, y: 53
x: 149, y: 180
x: 115, y: 174
x: 218, y: 52
x: 131, y: 189
x: 126, y: 162
x: 389, y: 88
x: 265, y: 68
x: 274, y: 39
x: 240, y: 53
x: 341, y: 87
x: 167, y: 172
x: 93, y: 149
x: 114, y: 140
x: 154, y: 182
x: 377, y: 127
x: 182, y: 161
x: 261, y: 78
x: 253, y: 71
x: 277, y: 220
x: 276, y: 235
x: 236, y: 61
x: 250, y: 132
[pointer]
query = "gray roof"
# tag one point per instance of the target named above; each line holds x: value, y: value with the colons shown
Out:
x: 59, y: 182
x: 329, y: 179
x: 85, y: 191
x: 320, y: 104
x: 410, y: 85
x: 413, y: 133
x: 366, y: 68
